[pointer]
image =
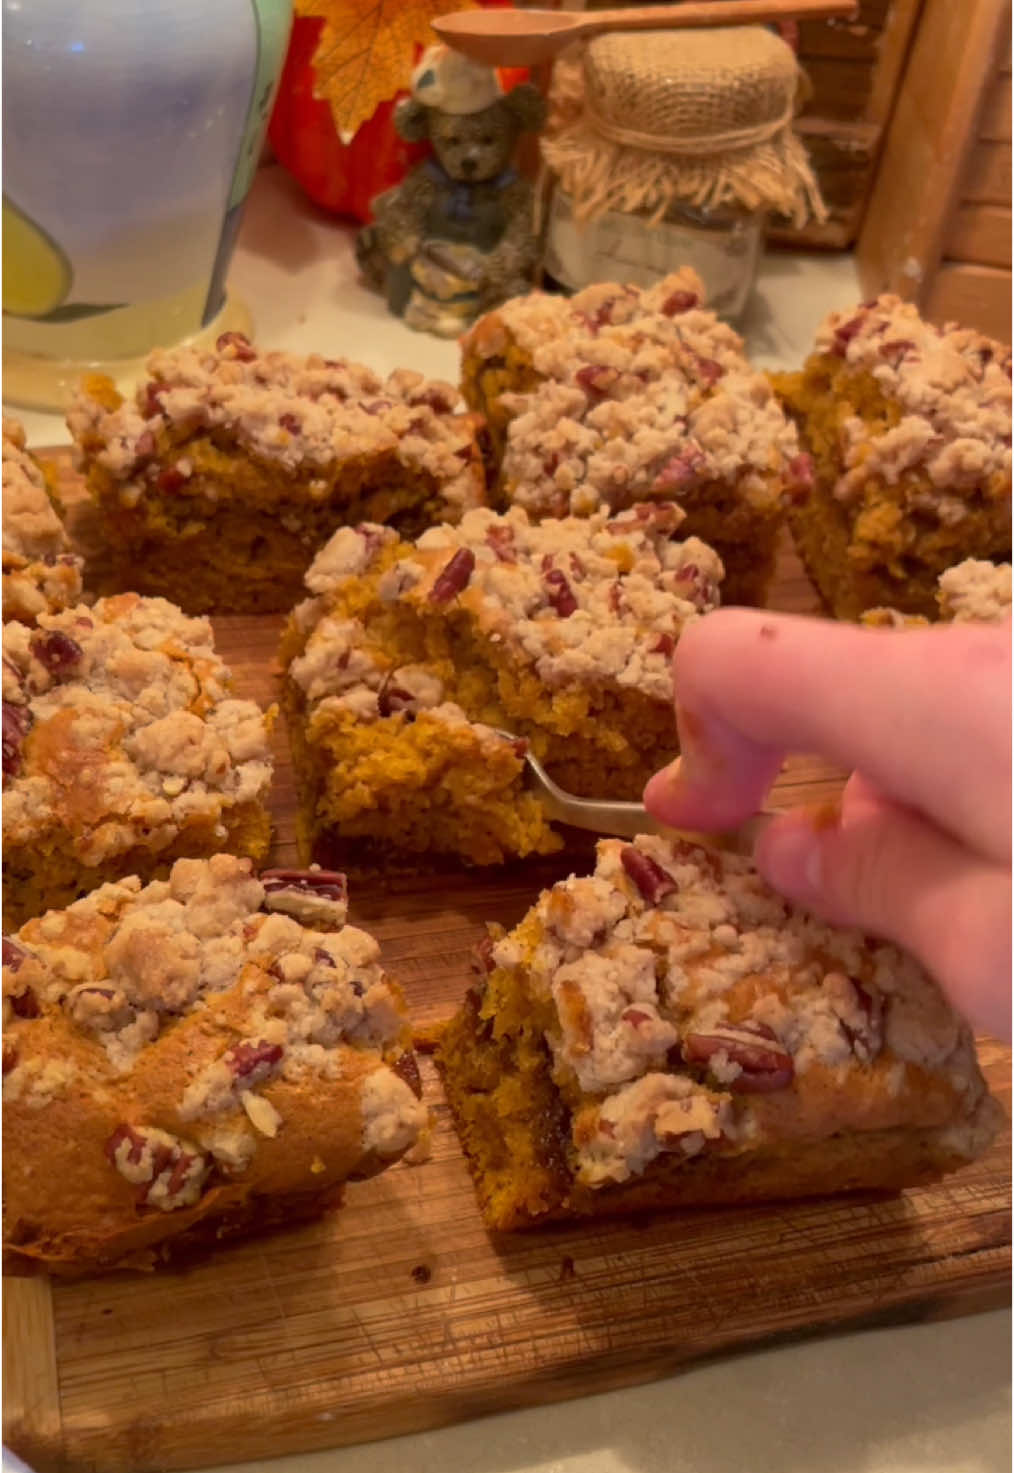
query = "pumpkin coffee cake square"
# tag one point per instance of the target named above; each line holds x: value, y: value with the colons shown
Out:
x: 124, y: 748
x: 212, y: 1053
x: 418, y: 674
x: 909, y: 429
x: 667, y: 1032
x: 621, y: 394
x: 229, y: 467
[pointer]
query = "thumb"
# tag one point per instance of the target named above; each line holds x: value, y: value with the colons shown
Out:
x: 888, y: 872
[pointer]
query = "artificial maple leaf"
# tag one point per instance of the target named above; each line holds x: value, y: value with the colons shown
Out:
x: 366, y: 51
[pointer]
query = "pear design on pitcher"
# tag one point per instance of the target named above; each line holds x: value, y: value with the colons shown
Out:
x: 36, y: 273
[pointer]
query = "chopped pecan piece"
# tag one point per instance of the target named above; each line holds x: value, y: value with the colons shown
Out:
x: 253, y: 1062
x: 801, y: 477
x: 501, y: 540
x: 17, y: 723
x: 171, y: 479
x: 860, y: 1012
x: 392, y: 698
x: 24, y: 1004
x: 844, y: 334
x: 596, y: 380
x: 561, y: 595
x: 764, y: 1064
x: 454, y: 577
x: 649, y: 877
x: 57, y: 652
x: 407, y: 1069
x: 152, y: 404
x: 329, y: 883
x: 664, y: 645
x: 239, y: 343
x: 169, y: 1173
x: 678, y: 302
x: 291, y: 422
x: 709, y: 370
x: 13, y: 954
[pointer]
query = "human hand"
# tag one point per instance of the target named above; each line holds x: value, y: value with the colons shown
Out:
x: 918, y: 850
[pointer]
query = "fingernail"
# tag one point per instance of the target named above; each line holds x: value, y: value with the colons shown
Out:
x: 790, y: 857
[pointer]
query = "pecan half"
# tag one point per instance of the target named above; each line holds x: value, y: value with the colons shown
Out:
x: 454, y: 577
x: 649, y: 877
x: 57, y: 652
x: 680, y: 470
x: 17, y: 723
x: 764, y: 1064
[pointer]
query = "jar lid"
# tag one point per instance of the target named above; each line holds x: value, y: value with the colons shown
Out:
x: 645, y: 120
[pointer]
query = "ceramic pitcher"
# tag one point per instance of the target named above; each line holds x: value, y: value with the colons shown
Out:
x: 132, y: 131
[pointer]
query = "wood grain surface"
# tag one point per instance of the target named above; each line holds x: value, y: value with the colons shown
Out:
x: 400, y: 1312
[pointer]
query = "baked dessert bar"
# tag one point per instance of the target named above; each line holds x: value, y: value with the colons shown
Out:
x: 667, y: 1031
x: 123, y: 749
x: 971, y: 592
x: 230, y: 467
x: 40, y: 572
x: 619, y: 395
x: 208, y: 1054
x: 411, y: 660
x: 909, y: 429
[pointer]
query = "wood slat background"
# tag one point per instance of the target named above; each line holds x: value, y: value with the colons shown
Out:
x: 401, y: 1313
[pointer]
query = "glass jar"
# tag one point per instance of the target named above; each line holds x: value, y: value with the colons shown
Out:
x: 723, y: 246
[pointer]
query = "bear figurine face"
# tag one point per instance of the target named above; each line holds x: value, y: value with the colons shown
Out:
x: 473, y: 146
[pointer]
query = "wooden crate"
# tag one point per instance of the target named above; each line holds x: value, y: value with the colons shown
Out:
x: 938, y: 227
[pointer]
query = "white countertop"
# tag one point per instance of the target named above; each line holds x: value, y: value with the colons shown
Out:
x: 931, y: 1398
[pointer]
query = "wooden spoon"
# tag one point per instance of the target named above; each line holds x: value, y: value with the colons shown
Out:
x: 530, y: 37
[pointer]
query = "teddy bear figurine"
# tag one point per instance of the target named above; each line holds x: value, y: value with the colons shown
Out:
x: 455, y: 237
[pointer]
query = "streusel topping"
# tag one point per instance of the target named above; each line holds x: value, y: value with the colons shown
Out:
x: 685, y: 995
x: 120, y: 729
x: 975, y: 592
x: 645, y: 394
x: 304, y: 415
x: 953, y: 388
x: 598, y: 599
x: 129, y: 965
x: 40, y: 572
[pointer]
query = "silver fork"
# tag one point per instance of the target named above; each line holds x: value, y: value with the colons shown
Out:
x: 624, y: 819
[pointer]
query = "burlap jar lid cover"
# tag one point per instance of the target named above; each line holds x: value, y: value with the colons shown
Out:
x: 641, y: 121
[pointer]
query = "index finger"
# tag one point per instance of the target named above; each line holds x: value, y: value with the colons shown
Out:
x: 924, y: 714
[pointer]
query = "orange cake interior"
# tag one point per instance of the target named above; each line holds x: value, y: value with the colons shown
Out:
x: 419, y: 672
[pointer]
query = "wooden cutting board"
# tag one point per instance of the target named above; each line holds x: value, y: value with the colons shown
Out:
x: 401, y: 1313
